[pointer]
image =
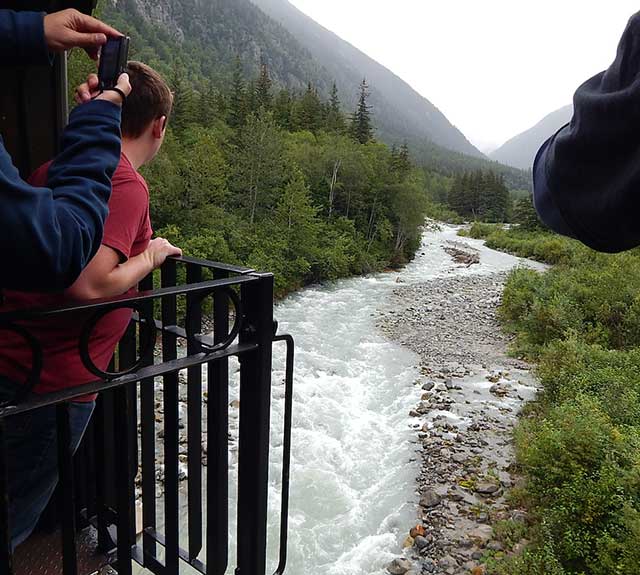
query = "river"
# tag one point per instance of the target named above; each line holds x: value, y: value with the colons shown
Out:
x: 354, y: 462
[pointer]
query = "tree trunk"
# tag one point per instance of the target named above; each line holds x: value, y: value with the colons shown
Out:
x: 332, y: 185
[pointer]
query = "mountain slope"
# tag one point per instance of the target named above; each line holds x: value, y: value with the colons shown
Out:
x: 202, y: 40
x: 205, y: 37
x: 520, y: 151
x: 401, y: 113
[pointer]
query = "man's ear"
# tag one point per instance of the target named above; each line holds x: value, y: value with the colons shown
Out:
x: 159, y: 125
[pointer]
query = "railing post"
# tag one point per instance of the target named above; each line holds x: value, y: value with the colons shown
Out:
x: 218, y: 445
x: 65, y: 466
x: 194, y: 422
x: 255, y: 404
x: 171, y: 420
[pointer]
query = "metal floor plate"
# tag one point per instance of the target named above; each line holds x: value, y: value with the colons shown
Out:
x: 41, y: 554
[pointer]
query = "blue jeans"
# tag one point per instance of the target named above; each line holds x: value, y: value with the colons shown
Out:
x: 32, y: 460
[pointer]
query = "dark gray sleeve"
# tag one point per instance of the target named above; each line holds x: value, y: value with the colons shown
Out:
x: 589, y: 171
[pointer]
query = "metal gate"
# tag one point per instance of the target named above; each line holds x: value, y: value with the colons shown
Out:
x: 199, y: 315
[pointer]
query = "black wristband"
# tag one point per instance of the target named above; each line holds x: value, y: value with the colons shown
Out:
x: 119, y: 91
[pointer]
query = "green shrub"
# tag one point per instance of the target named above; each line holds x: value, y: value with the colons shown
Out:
x: 583, y: 476
x: 579, y: 445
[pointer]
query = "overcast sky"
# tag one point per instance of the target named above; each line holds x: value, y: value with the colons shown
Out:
x: 494, y: 67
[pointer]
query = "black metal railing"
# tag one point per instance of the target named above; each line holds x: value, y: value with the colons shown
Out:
x: 118, y: 464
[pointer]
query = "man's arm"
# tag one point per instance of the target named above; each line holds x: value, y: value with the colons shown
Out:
x: 28, y: 38
x: 587, y: 176
x: 48, y: 235
x: 105, y: 276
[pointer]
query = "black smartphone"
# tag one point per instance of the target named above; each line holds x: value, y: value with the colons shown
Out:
x: 113, y: 61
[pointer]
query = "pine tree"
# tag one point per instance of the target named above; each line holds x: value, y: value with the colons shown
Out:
x: 401, y: 160
x: 308, y: 114
x: 183, y: 112
x: 361, y: 127
x: 335, y: 117
x: 264, y: 98
x: 251, y: 99
x: 237, y: 100
x: 282, y: 109
x: 208, y: 106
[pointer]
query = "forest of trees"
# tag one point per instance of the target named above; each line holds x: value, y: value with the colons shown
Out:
x: 282, y: 181
x: 480, y: 196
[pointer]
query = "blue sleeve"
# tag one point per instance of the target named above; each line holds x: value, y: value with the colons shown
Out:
x: 48, y: 235
x: 22, y: 41
x: 587, y: 176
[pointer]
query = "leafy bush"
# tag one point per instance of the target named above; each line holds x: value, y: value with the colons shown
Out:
x: 583, y: 477
x: 579, y: 448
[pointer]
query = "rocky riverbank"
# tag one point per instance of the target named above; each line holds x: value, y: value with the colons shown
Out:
x: 472, y: 394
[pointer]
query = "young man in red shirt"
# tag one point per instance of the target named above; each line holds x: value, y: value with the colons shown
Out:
x: 127, y: 255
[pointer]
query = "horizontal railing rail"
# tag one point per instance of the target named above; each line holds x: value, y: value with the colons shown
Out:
x: 149, y: 429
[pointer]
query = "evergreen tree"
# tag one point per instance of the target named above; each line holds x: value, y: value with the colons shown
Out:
x: 335, y: 117
x: 264, y: 98
x: 183, y: 112
x: 282, y: 110
x: 207, y: 105
x: 251, y: 99
x: 237, y: 99
x: 400, y: 160
x: 525, y: 215
x: 361, y: 126
x: 309, y: 111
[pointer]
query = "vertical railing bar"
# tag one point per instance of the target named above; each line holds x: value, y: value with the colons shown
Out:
x: 286, y: 453
x: 65, y: 472
x: 90, y: 450
x: 218, y: 444
x: 105, y: 542
x: 6, y: 559
x: 127, y: 357
x: 148, y: 440
x: 194, y: 420
x: 123, y: 479
x: 171, y: 431
x: 255, y: 407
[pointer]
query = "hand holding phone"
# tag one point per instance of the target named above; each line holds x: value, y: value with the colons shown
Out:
x: 113, y: 62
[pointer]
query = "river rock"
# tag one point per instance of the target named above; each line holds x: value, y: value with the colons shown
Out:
x: 430, y: 499
x: 421, y: 542
x: 486, y: 488
x: 451, y: 323
x: 481, y: 534
x: 399, y: 566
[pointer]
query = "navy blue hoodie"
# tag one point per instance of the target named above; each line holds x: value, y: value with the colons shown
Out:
x: 587, y: 176
x: 48, y: 235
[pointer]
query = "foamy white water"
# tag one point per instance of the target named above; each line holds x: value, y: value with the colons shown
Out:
x: 354, y: 463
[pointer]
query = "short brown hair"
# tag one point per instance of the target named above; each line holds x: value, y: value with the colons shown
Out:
x: 149, y: 100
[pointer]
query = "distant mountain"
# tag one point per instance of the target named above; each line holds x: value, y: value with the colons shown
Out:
x: 520, y: 151
x: 203, y: 39
x: 400, y: 112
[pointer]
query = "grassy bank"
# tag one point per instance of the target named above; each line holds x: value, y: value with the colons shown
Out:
x: 578, y: 446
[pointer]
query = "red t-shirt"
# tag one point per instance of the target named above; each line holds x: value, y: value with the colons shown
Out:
x: 128, y: 231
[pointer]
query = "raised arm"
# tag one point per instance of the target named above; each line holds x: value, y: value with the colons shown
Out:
x: 48, y: 235
x: 28, y: 38
x: 587, y: 176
